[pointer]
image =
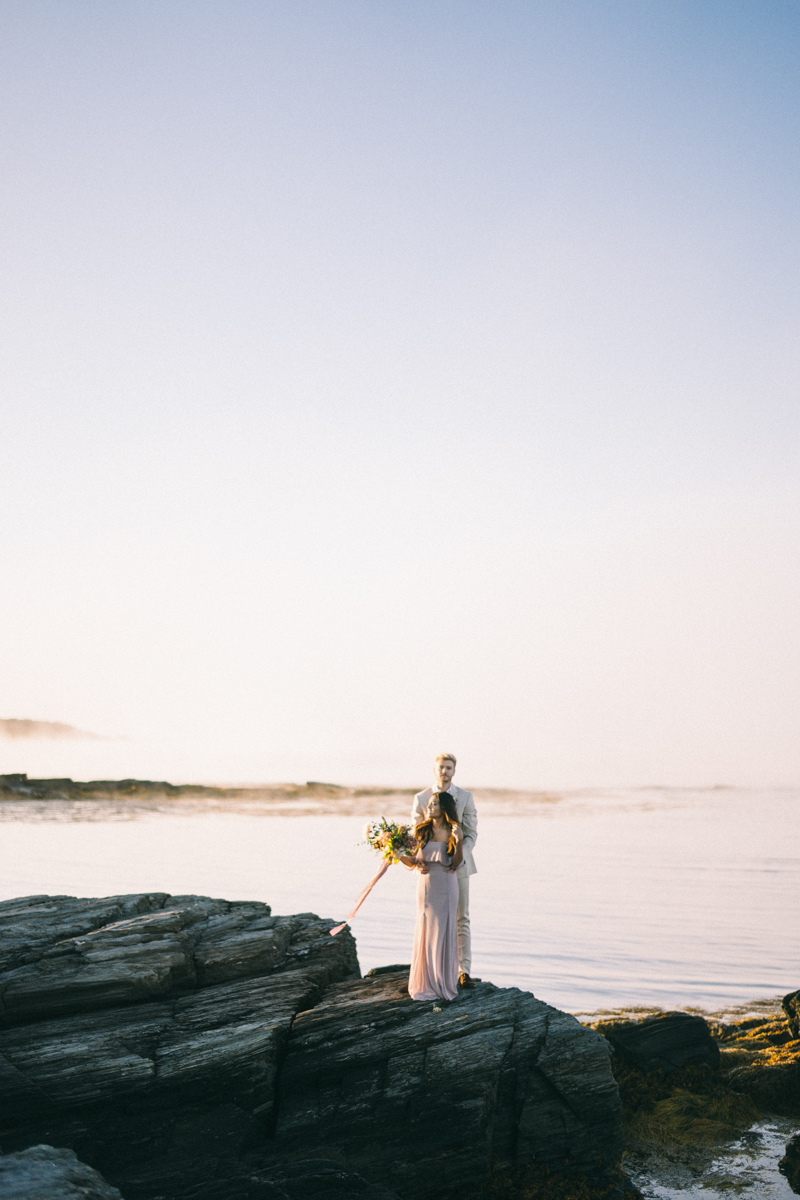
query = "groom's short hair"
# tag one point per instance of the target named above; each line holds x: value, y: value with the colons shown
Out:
x: 446, y: 758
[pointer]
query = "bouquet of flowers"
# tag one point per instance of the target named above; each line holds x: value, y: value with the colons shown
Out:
x: 389, y: 839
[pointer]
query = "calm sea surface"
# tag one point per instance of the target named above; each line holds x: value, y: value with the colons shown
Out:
x: 591, y: 900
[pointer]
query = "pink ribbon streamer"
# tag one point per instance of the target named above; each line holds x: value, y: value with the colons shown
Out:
x: 362, y: 897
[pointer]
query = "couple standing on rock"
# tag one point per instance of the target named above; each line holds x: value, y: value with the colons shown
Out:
x: 446, y: 828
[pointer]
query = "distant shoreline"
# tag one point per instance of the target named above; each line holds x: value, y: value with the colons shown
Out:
x: 315, y: 798
x: 20, y: 786
x: 310, y: 798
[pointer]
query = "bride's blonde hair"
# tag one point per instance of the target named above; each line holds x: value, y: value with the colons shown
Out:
x: 423, y: 830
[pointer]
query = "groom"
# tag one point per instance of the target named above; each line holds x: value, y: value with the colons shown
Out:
x: 444, y: 768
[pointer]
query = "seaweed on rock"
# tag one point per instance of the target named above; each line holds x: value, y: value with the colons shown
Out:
x: 754, y: 1069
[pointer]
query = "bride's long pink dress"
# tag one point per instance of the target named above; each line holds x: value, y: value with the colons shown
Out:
x: 434, y: 963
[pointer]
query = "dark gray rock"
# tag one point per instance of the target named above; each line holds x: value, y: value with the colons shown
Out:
x: 198, y: 1049
x: 790, y: 1163
x: 773, y: 1086
x: 663, y: 1043
x: 43, y: 1173
x: 432, y: 1099
x: 768, y: 1058
x: 308, y: 1179
x: 74, y: 956
x: 791, y: 1006
x: 147, y: 1032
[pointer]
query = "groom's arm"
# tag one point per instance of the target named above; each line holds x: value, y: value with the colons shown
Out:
x: 469, y: 823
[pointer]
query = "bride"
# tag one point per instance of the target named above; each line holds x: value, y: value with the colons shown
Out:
x: 434, y: 963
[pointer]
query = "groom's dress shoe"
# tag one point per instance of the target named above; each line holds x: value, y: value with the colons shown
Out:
x: 464, y: 980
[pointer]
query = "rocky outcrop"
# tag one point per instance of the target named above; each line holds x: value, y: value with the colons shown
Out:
x: 752, y: 1072
x: 147, y: 1032
x: 791, y: 1006
x: 764, y: 1056
x: 666, y: 1042
x: 773, y: 1082
x: 299, y: 1179
x: 62, y: 956
x: 790, y: 1163
x: 198, y: 1049
x: 433, y: 1099
x: 671, y: 1086
x: 43, y: 1173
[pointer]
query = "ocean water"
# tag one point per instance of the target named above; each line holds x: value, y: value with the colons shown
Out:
x: 591, y: 900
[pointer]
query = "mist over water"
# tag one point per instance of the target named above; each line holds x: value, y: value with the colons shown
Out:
x: 662, y: 897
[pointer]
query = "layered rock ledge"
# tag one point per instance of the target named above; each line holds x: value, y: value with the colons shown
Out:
x: 197, y: 1049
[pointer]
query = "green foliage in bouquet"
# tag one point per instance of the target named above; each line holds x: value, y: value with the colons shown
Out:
x: 389, y: 839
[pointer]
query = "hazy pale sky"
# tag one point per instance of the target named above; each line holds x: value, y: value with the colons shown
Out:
x: 382, y: 378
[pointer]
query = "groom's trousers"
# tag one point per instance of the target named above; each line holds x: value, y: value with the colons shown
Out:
x: 464, y: 940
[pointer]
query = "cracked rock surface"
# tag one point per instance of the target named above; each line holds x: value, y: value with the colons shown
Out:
x: 198, y: 1049
x: 434, y: 1099
x: 146, y: 1032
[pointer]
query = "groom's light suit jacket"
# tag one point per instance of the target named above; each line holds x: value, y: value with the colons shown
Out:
x: 467, y: 819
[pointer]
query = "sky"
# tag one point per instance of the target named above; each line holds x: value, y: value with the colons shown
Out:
x: 379, y: 379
